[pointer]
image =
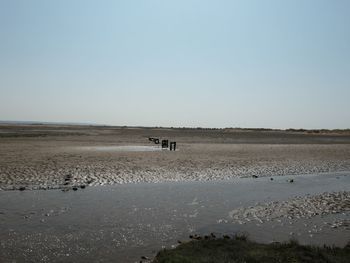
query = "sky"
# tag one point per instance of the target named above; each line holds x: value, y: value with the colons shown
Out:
x: 193, y: 63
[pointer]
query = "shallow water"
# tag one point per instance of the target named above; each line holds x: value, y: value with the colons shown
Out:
x: 123, y: 222
x: 124, y: 148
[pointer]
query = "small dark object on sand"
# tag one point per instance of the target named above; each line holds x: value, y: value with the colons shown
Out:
x: 291, y: 180
x: 75, y: 188
x: 165, y: 144
x: 254, y: 176
x: 179, y: 241
x: 271, y: 179
x: 196, y: 237
x: 22, y: 188
x: 144, y: 258
x: 82, y: 186
x: 172, y: 146
x: 190, y: 236
x: 226, y: 236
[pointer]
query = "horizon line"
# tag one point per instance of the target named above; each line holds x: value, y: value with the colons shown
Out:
x: 2, y: 122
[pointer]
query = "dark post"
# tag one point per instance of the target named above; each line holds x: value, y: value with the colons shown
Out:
x: 172, y: 146
x: 165, y: 144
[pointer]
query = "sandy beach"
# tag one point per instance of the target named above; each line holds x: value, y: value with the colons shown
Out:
x: 132, y: 198
x: 50, y: 157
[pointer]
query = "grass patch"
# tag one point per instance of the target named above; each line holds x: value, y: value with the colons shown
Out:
x: 240, y: 249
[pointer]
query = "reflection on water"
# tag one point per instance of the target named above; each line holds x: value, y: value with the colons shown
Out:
x: 121, y: 223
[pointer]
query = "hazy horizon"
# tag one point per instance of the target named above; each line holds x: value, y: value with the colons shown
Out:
x: 11, y: 122
x: 211, y: 64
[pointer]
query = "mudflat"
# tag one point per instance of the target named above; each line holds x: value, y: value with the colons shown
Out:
x: 271, y: 185
x: 58, y: 156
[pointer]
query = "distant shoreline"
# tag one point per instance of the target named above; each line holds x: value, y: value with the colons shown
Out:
x: 300, y: 130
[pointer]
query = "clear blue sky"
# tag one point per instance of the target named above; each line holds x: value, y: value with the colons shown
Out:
x: 219, y: 63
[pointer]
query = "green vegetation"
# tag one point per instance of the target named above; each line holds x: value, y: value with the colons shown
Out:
x: 239, y: 249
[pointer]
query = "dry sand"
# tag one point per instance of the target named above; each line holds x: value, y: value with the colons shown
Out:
x: 45, y: 157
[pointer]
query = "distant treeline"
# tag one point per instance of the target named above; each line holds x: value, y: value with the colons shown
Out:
x: 227, y: 129
x: 320, y: 131
x: 262, y: 129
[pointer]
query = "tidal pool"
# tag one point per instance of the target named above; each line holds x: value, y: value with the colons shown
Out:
x: 121, y: 223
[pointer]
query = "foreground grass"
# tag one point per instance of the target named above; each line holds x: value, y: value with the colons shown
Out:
x: 239, y: 249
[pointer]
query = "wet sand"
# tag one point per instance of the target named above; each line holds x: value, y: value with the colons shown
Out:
x: 43, y: 157
x: 131, y: 197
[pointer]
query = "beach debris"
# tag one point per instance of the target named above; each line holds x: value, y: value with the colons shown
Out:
x: 155, y: 140
x: 255, y: 176
x: 75, y: 188
x: 22, y: 188
x: 82, y: 186
x: 291, y: 180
